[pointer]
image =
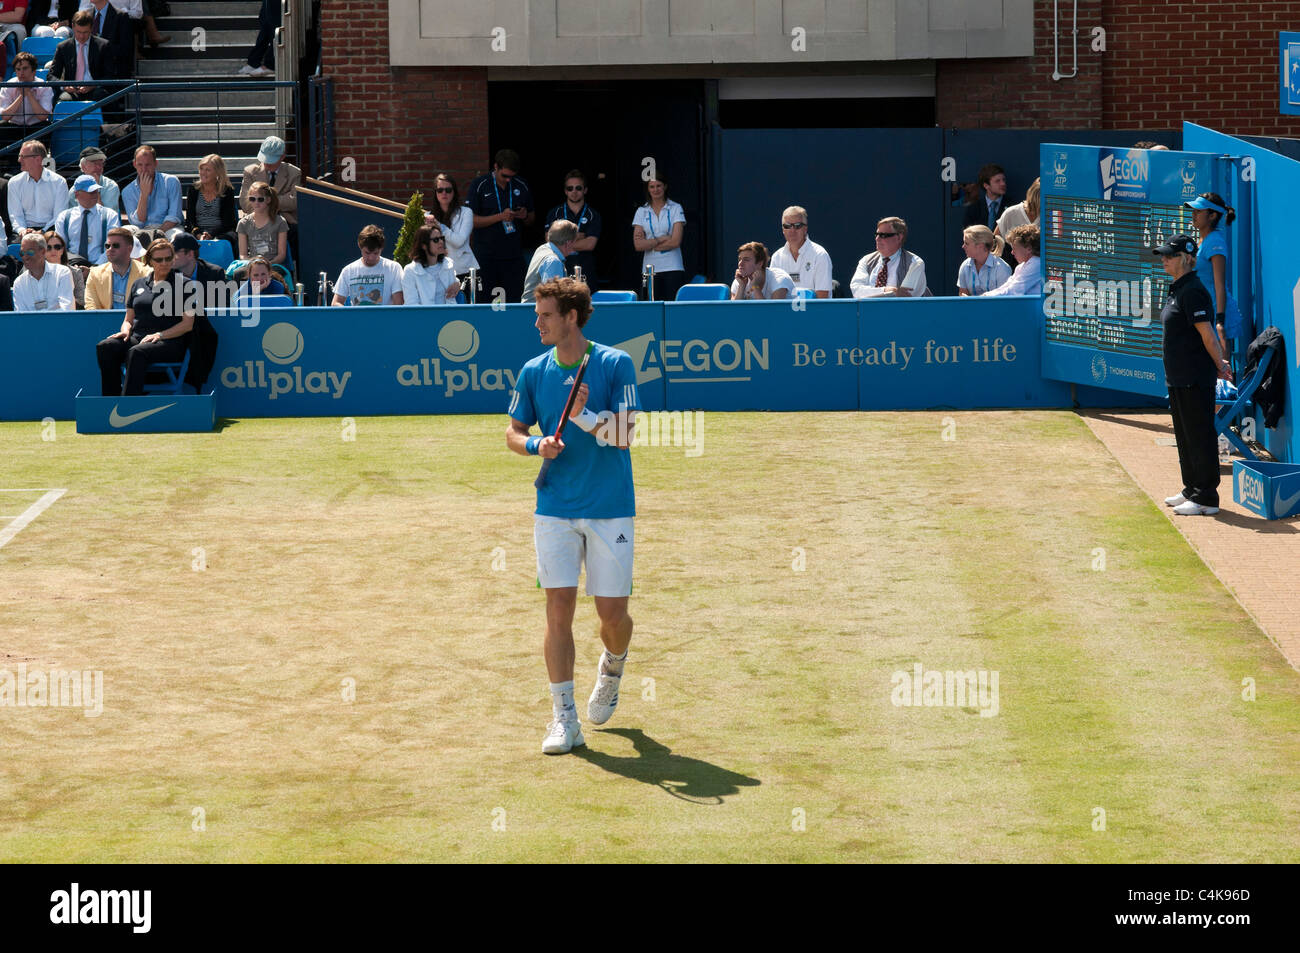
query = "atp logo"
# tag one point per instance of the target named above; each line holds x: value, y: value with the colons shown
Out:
x: 1060, y: 164
x: 1187, y: 172
x: 283, y: 344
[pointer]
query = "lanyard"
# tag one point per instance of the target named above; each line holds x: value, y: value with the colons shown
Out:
x: 577, y: 220
x: 650, y: 216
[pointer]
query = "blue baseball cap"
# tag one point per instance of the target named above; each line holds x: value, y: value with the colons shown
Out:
x: 1201, y: 202
x: 85, y: 183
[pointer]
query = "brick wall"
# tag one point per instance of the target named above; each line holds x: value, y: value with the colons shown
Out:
x: 401, y: 125
x: 1226, y: 52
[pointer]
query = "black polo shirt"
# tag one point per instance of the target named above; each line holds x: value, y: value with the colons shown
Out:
x: 1187, y: 362
x: 588, y: 221
x: 503, y: 240
x: 158, y: 307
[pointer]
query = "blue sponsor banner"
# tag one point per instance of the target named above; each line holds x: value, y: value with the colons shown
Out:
x: 760, y: 355
x: 1102, y: 368
x: 1117, y: 174
x: 150, y: 413
x: 1289, y: 74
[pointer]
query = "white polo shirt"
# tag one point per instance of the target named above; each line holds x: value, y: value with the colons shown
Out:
x: 775, y: 280
x: 657, y: 226
x: 812, y: 269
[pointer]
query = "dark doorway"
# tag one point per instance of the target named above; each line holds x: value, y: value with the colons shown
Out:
x: 607, y: 129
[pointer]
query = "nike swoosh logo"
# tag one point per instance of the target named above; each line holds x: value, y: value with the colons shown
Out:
x: 1280, y: 505
x: 117, y: 420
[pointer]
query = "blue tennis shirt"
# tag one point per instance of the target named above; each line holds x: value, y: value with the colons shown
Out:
x: 587, y: 480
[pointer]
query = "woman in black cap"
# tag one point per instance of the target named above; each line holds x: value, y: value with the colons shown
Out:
x: 1193, y: 361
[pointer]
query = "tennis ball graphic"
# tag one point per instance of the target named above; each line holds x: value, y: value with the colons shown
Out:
x: 458, y: 340
x: 282, y: 343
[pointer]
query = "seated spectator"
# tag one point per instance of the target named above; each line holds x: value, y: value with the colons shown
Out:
x: 42, y: 286
x: 1022, y: 213
x: 983, y: 270
x: 989, y: 199
x: 265, y: 233
x: 210, y: 205
x: 13, y: 19
x: 115, y: 26
x: 6, y: 294
x: 548, y: 260
x: 35, y: 195
x: 430, y: 278
x: 56, y: 253
x: 91, y: 163
x: 50, y: 17
x: 889, y: 271
x: 24, y: 109
x: 1027, y: 279
x: 371, y: 279
x: 755, y: 279
x: 156, y: 327
x: 107, y: 284
x: 260, y: 281
x: 153, y: 201
x: 84, y: 229
x: 282, y: 176
x: 83, y: 59
x: 806, y: 262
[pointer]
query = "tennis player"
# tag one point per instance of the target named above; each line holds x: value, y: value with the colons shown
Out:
x: 585, y: 507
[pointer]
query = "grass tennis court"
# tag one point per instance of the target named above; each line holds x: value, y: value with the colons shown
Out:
x: 783, y: 577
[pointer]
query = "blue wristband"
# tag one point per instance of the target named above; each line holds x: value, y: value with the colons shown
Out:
x: 531, y: 445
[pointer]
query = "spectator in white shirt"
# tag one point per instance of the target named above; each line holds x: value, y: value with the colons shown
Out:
x: 36, y: 195
x: 43, y: 286
x: 806, y: 262
x: 983, y: 270
x: 890, y: 271
x: 457, y: 222
x: 430, y: 278
x: 1027, y: 279
x: 24, y: 108
x: 85, y: 228
x: 755, y: 279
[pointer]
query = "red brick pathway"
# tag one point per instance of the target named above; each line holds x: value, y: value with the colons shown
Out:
x: 1257, y: 559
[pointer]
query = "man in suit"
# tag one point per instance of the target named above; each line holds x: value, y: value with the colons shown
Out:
x: 284, y: 177
x: 217, y: 293
x: 84, y: 58
x: 115, y: 27
x: 108, y: 284
x: 990, y: 201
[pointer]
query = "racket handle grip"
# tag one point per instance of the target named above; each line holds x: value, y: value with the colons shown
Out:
x: 541, y: 474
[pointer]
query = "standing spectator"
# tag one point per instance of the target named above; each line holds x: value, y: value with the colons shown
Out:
x: 210, y: 205
x: 457, y: 223
x: 56, y: 253
x: 548, y: 260
x: 983, y: 270
x: 371, y: 279
x: 657, y: 230
x: 1211, y: 216
x: 13, y: 17
x: 36, y: 193
x: 153, y: 201
x: 24, y: 109
x: 1193, y: 364
x: 261, y: 58
x: 755, y: 279
x: 91, y: 163
x: 889, y: 271
x: 264, y: 234
x: 116, y: 28
x: 1022, y: 213
x: 108, y: 284
x: 1027, y: 279
x: 42, y: 286
x: 575, y: 209
x: 430, y: 278
x: 84, y: 229
x: 806, y: 262
x: 501, y: 202
x: 83, y: 59
x: 987, y: 206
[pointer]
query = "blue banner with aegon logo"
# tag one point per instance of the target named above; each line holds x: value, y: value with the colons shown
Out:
x: 792, y: 355
x: 1115, y: 174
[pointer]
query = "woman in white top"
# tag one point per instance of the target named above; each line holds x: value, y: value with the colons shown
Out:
x: 983, y: 270
x: 456, y: 221
x: 430, y: 278
x: 1022, y: 213
x: 1027, y: 279
x: 657, y: 230
x: 755, y: 279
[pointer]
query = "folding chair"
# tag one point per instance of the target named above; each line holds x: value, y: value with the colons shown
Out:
x: 703, y: 292
x: 1231, y: 410
x: 613, y: 296
x: 173, y: 371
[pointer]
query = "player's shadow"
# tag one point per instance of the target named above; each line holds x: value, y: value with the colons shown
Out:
x: 687, y: 778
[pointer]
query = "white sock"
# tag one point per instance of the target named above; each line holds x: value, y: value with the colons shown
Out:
x: 612, y: 664
x: 562, y: 701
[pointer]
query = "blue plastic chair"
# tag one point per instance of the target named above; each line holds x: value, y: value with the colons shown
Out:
x: 173, y: 371
x: 703, y: 292
x: 1231, y: 409
x: 275, y: 301
x: 67, y: 141
x: 805, y: 293
x: 216, y: 251
x: 42, y: 74
x: 613, y: 296
x: 42, y: 47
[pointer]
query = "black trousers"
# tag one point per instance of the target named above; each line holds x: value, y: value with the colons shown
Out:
x: 667, y: 284
x: 506, y: 273
x: 113, y: 352
x: 1192, y: 409
x: 263, y: 52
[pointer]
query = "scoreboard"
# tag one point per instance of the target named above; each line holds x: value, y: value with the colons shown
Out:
x: 1102, y: 211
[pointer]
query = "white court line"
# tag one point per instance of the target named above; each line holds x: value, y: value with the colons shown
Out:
x: 33, y: 511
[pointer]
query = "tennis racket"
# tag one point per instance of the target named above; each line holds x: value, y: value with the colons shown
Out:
x: 564, y: 418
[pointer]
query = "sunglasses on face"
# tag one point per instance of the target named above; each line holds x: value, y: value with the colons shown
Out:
x: 30, y: 253
x: 441, y: 190
x: 112, y: 245
x: 436, y: 238
x: 159, y: 261
x: 787, y: 226
x: 55, y: 247
x: 886, y: 234
x: 257, y: 198
x: 575, y: 188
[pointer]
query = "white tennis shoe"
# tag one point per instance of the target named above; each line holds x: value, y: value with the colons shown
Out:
x: 1192, y: 508
x: 604, y: 697
x: 562, y: 736
x: 1176, y: 500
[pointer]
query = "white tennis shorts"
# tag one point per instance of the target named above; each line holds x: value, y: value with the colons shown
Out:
x: 605, y: 545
